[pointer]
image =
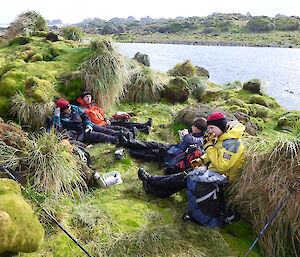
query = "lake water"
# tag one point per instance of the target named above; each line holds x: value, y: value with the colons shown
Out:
x: 278, y: 67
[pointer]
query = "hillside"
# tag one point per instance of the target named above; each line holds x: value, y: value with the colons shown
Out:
x: 215, y: 29
x: 38, y: 67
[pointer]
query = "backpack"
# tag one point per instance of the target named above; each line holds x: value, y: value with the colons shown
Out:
x: 205, y: 197
x: 120, y: 116
x: 183, y: 160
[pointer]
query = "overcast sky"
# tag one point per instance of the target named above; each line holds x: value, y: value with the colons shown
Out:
x: 73, y: 11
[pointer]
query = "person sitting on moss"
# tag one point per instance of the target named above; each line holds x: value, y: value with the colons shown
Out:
x: 98, y: 117
x: 224, y: 154
x: 78, y: 126
x: 161, y: 152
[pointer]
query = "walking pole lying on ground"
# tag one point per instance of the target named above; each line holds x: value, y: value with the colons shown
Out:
x: 5, y: 170
x: 274, y: 214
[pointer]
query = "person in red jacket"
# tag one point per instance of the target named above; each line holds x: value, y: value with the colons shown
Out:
x: 98, y: 117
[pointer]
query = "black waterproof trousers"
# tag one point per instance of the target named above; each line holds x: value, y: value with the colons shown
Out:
x: 127, y: 124
x: 166, y: 185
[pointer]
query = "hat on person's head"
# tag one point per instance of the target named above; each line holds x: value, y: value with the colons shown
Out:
x: 200, y: 123
x: 217, y: 119
x: 62, y: 103
x: 86, y: 93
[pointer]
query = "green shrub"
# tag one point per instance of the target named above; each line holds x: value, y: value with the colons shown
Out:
x: 142, y: 58
x: 286, y: 23
x: 183, y: 69
x: 72, y: 33
x: 197, y: 86
x: 260, y: 24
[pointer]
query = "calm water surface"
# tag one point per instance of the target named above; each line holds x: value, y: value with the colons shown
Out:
x: 278, y: 67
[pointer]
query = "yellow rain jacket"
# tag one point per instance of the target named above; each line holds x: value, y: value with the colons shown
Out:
x: 226, y: 154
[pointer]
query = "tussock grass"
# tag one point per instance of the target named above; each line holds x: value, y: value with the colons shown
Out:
x: 272, y: 167
x: 26, y: 23
x: 52, y: 167
x: 105, y: 73
x: 144, y: 85
x: 30, y: 113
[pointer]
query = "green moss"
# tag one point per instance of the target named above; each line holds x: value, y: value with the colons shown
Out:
x: 12, y: 81
x: 258, y: 99
x: 39, y: 90
x: 20, y: 230
x: 4, y: 107
x: 240, y: 237
x: 183, y: 69
x: 36, y: 58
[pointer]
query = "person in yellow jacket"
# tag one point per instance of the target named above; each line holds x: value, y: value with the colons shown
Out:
x: 224, y: 153
x: 224, y: 149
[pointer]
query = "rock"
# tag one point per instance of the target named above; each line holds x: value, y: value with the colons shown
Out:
x: 188, y: 114
x: 20, y: 230
x: 202, y: 72
x: 251, y: 128
x: 52, y: 37
x: 253, y: 85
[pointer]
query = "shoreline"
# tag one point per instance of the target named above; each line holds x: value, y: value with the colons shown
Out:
x: 207, y: 43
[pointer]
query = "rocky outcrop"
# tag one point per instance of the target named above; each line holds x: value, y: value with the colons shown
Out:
x: 202, y: 72
x: 20, y: 230
x: 188, y: 114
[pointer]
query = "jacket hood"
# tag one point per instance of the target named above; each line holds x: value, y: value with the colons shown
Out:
x: 235, y: 130
x: 83, y: 103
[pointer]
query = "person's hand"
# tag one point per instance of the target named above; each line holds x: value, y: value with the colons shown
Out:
x: 108, y: 122
x: 208, y: 138
x: 57, y: 112
x: 88, y: 129
x: 184, y: 132
x: 196, y: 163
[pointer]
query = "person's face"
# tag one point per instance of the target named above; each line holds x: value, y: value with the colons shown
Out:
x: 214, y: 130
x: 67, y: 110
x: 87, y: 99
x: 195, y: 130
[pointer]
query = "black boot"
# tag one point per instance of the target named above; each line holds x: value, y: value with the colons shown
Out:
x: 149, y: 122
x: 134, y: 132
x: 143, y: 175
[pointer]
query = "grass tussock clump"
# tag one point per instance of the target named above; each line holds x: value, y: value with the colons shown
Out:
x: 144, y: 85
x: 30, y: 113
x: 272, y: 167
x: 105, y: 72
x: 25, y: 24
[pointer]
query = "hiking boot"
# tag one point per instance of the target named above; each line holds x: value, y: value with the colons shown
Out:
x: 143, y: 175
x: 149, y: 122
x: 122, y: 140
x: 147, y: 130
x: 134, y: 132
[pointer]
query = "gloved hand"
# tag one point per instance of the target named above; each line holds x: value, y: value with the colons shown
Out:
x: 196, y: 163
x: 88, y: 129
x: 208, y: 138
x: 57, y: 112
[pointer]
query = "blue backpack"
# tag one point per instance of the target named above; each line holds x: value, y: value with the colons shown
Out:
x: 203, y: 192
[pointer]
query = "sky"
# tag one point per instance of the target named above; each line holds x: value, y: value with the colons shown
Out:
x: 74, y: 11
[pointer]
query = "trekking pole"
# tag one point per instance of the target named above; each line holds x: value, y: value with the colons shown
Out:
x: 274, y: 214
x: 5, y: 170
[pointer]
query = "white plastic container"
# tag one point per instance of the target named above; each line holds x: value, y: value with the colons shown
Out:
x: 112, y: 178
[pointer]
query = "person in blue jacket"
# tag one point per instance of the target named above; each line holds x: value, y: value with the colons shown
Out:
x: 77, y: 125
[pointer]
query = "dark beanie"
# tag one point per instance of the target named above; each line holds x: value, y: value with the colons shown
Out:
x: 200, y: 123
x: 62, y: 103
x: 217, y: 119
x: 86, y: 93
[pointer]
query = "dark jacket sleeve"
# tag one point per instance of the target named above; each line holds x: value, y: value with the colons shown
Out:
x: 192, y: 140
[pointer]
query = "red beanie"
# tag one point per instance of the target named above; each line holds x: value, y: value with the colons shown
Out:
x: 217, y: 119
x: 62, y: 103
